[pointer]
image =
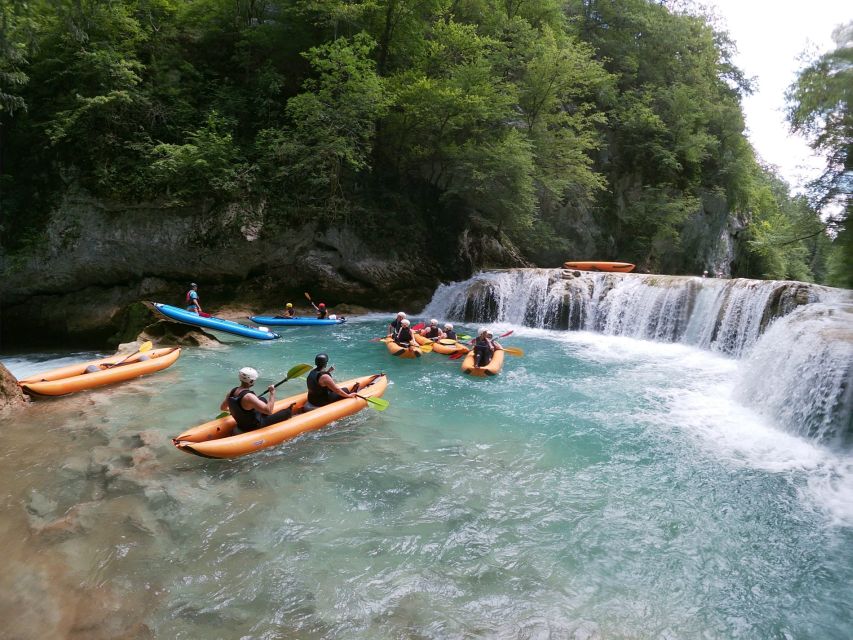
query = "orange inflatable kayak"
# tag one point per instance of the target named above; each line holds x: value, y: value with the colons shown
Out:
x: 447, y: 347
x: 413, y: 351
x: 492, y: 369
x: 214, y: 439
x: 58, y: 382
x: 621, y: 267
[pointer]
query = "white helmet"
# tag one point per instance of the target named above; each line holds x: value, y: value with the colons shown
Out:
x: 401, y: 314
x: 483, y: 331
x: 448, y: 325
x: 433, y: 321
x: 248, y: 375
x: 405, y: 322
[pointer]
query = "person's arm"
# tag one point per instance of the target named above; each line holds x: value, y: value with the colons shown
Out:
x: 326, y: 381
x: 224, y: 405
x: 497, y: 345
x: 256, y: 403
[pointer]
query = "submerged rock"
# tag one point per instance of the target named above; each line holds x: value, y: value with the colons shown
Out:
x: 165, y: 333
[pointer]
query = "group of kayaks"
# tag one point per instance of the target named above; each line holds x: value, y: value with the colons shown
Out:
x: 449, y: 348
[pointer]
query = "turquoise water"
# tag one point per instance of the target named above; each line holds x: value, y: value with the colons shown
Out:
x: 599, y: 487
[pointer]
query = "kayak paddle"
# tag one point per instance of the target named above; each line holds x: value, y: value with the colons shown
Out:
x: 418, y: 326
x: 456, y: 356
x: 145, y: 346
x: 296, y: 371
x: 375, y: 403
x: 514, y: 351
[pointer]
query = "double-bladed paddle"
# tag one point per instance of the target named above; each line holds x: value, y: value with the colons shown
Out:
x: 462, y: 354
x: 145, y: 346
x: 296, y: 371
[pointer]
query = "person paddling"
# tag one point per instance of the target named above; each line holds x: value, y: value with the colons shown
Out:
x: 484, y: 348
x: 396, y: 323
x: 193, y: 303
x: 321, y: 310
x: 449, y: 333
x: 248, y: 409
x: 322, y: 389
x: 404, y: 337
x: 288, y: 312
x: 433, y: 332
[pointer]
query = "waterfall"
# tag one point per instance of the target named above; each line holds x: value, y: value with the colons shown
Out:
x: 795, y: 339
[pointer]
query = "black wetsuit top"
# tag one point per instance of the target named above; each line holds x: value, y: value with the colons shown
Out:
x: 395, y: 326
x: 433, y: 333
x: 404, y: 335
x: 484, y: 350
x: 247, y: 419
x: 451, y: 334
x: 317, y: 395
x: 321, y: 314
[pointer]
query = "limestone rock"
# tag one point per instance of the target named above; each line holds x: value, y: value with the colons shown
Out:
x: 10, y: 393
x: 165, y: 333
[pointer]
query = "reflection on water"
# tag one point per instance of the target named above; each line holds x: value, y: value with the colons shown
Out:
x: 600, y: 487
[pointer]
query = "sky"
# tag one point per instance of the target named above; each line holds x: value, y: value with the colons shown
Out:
x: 771, y: 37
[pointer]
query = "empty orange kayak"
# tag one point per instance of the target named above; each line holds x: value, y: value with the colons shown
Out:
x: 492, y: 369
x: 447, y: 347
x: 58, y: 382
x: 413, y: 351
x: 622, y: 267
x: 214, y: 439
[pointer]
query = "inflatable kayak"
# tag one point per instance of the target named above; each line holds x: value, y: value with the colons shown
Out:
x: 491, y: 369
x: 215, y: 439
x: 63, y: 380
x: 621, y: 267
x: 447, y: 347
x: 412, y: 351
x: 294, y: 322
x: 218, y: 324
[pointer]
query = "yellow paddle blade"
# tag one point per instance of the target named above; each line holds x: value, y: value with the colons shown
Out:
x: 145, y: 346
x: 427, y: 347
x: 514, y: 351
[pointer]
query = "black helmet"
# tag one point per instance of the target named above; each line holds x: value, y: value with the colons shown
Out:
x: 321, y: 359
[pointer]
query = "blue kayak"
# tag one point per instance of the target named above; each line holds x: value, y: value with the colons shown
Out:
x: 228, y: 326
x: 294, y: 322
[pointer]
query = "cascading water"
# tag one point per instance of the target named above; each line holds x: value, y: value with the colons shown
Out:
x: 799, y: 372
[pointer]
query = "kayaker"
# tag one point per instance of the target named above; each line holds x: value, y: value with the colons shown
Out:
x: 404, y: 337
x: 484, y: 348
x: 433, y: 332
x: 288, y: 311
x: 449, y: 333
x: 248, y: 409
x: 395, y: 325
x: 193, y: 303
x: 321, y: 310
x: 322, y: 389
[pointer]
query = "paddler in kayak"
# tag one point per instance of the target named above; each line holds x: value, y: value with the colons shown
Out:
x: 433, y: 332
x: 248, y: 409
x: 404, y: 337
x: 449, y: 333
x: 322, y: 389
x: 321, y: 310
x: 396, y: 323
x: 193, y: 304
x: 484, y: 348
x: 289, y: 313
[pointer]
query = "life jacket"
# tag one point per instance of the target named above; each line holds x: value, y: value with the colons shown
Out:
x: 404, y: 335
x: 451, y: 334
x: 433, y: 333
x: 395, y: 325
x: 317, y: 395
x: 247, y: 419
x: 321, y: 314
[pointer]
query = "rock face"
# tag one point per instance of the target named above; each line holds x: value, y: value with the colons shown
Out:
x: 96, y: 259
x: 11, y: 395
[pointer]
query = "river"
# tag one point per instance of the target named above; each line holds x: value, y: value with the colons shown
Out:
x: 602, y: 486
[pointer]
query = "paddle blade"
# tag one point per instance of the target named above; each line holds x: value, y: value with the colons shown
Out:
x: 224, y: 414
x: 298, y: 370
x: 427, y: 347
x: 307, y: 297
x: 145, y: 346
x: 376, y: 403
x: 461, y: 354
x: 514, y: 351
x: 418, y: 326
x: 508, y: 333
x: 463, y: 337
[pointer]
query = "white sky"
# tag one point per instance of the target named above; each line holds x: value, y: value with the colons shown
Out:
x: 771, y: 36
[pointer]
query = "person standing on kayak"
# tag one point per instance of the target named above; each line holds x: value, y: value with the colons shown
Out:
x: 322, y: 389
x: 449, y: 333
x: 193, y: 303
x: 248, y: 409
x: 433, y: 332
x: 396, y: 323
x: 484, y: 348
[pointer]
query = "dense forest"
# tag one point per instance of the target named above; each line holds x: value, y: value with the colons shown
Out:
x: 526, y: 115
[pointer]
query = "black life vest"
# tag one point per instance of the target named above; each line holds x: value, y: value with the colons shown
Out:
x: 404, y: 335
x: 321, y: 314
x: 395, y: 325
x: 433, y: 333
x: 451, y: 334
x: 247, y: 419
x: 317, y: 395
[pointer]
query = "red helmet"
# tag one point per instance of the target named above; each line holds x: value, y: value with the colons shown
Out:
x: 322, y: 305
